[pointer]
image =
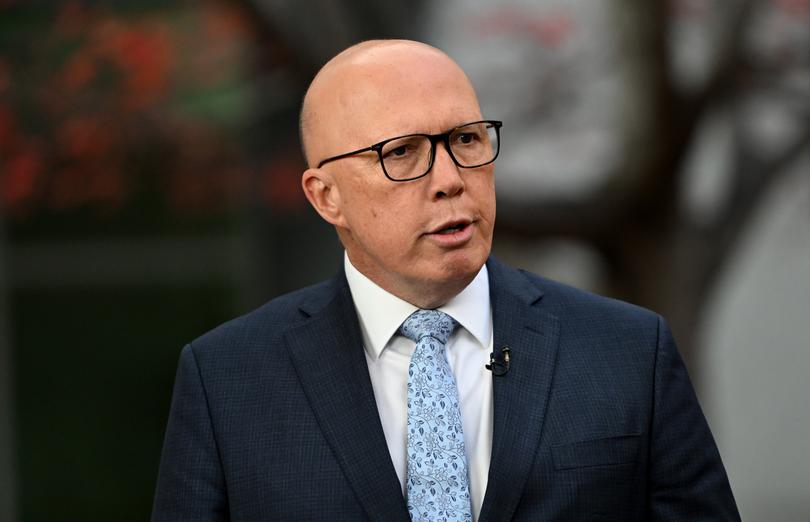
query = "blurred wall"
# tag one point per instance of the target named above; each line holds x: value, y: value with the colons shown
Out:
x: 758, y: 357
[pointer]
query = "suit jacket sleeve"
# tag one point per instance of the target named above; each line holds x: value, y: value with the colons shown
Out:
x: 191, y: 483
x: 688, y: 481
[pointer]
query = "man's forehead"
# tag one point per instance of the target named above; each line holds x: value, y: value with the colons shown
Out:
x: 358, y: 93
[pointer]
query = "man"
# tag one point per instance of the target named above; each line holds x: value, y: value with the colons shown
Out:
x: 373, y: 396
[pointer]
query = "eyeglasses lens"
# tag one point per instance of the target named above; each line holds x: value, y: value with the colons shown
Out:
x: 472, y: 145
x: 475, y: 144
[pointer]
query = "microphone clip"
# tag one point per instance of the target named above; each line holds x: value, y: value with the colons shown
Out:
x: 499, y: 366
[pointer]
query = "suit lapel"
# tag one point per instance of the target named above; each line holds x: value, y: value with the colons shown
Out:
x: 520, y: 396
x: 327, y: 352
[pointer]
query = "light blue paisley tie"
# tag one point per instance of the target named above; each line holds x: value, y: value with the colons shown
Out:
x: 438, y: 486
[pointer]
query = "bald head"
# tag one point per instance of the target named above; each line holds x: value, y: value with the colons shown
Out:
x: 338, y: 96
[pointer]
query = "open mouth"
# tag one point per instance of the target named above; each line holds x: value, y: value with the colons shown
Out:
x: 452, y: 229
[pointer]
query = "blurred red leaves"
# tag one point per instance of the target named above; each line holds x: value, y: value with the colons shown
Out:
x: 281, y: 184
x: 78, y: 72
x: 142, y: 54
x: 19, y: 178
x: 96, y: 106
x: 20, y: 163
x: 83, y: 137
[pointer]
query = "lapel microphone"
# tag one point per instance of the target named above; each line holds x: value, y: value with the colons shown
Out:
x: 500, y: 365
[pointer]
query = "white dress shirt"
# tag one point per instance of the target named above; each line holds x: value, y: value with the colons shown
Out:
x: 388, y: 355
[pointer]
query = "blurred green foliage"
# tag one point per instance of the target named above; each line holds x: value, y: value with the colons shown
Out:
x: 93, y: 392
x: 124, y: 120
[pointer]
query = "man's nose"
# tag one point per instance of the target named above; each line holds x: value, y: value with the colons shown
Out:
x: 445, y: 175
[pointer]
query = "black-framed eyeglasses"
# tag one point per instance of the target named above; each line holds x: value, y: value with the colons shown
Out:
x: 410, y: 157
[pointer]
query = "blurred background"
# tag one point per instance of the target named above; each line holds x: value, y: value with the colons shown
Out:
x: 149, y: 190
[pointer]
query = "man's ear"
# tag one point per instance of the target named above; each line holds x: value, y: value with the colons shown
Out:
x: 323, y: 194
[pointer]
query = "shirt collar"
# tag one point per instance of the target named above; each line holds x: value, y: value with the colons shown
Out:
x: 381, y: 313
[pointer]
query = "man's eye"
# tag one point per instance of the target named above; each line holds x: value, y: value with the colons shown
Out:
x: 466, y: 138
x: 397, y: 152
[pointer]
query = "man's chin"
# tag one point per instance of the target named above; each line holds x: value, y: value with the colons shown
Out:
x: 457, y: 273
x: 463, y: 264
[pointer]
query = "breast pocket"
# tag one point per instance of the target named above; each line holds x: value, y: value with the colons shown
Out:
x: 609, y: 451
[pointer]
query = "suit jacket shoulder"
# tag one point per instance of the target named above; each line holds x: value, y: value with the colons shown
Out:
x: 254, y: 333
x: 580, y: 314
x: 563, y: 299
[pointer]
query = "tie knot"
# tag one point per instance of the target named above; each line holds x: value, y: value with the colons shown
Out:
x: 424, y: 323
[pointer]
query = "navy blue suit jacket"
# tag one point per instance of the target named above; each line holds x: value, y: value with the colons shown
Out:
x: 274, y: 418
